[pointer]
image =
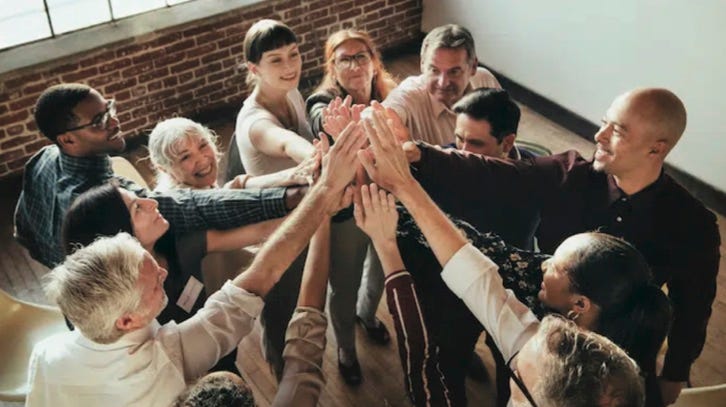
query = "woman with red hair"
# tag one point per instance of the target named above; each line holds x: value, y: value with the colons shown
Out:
x: 353, y: 69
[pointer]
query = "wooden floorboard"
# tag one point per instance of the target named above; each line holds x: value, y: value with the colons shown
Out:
x: 383, y: 381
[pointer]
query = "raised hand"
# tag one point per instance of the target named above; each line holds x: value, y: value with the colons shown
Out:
x: 384, y: 161
x: 376, y: 214
x: 339, y: 164
x: 393, y: 120
x: 338, y: 114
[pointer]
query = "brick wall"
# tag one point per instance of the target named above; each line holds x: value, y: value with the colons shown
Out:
x: 189, y: 69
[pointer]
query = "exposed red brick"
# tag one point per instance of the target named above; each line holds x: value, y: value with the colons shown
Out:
x: 17, y: 164
x: 14, y: 130
x: 158, y: 73
x: 137, y: 69
x: 15, y: 141
x: 114, y: 65
x: 201, y: 50
x: 11, y: 84
x: 31, y: 148
x: 213, y: 57
x: 13, y: 118
x: 11, y: 155
x: 36, y: 88
x: 80, y: 75
x: 190, y: 68
x: 117, y: 86
x: 184, y: 66
x: 349, y: 14
x: 148, y: 56
x: 179, y: 46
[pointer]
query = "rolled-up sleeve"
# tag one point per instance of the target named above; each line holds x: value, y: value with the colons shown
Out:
x: 302, y: 380
x: 474, y: 278
x: 217, y: 328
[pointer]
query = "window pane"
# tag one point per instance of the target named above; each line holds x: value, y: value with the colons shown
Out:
x: 69, y: 15
x: 22, y: 21
x: 123, y: 8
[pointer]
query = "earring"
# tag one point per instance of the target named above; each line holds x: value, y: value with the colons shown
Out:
x: 572, y: 315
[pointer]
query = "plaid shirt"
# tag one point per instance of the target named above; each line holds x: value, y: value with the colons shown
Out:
x: 52, y: 180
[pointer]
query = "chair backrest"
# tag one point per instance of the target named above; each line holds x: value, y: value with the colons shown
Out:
x: 233, y: 160
x: 23, y: 325
x: 531, y: 149
x: 707, y: 396
x: 124, y: 168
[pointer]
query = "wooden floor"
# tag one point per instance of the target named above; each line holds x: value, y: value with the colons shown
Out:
x: 382, y: 385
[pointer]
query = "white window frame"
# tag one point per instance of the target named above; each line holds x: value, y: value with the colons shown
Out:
x: 86, y: 39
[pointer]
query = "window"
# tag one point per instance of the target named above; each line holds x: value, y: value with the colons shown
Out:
x: 23, y: 21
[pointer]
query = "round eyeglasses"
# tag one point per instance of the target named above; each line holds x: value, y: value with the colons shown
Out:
x: 360, y: 59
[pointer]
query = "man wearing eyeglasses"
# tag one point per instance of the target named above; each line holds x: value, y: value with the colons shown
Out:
x: 449, y: 70
x: 84, y: 128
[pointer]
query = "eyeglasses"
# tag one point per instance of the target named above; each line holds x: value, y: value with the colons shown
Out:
x: 100, y: 122
x: 518, y: 381
x: 361, y: 59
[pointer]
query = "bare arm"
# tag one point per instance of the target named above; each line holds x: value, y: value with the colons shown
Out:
x: 237, y: 238
x: 292, y: 236
x: 376, y: 215
x: 317, y: 267
x: 273, y: 140
x: 387, y: 165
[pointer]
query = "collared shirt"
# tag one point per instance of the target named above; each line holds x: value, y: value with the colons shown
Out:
x: 52, y: 180
x: 428, y: 119
x: 146, y: 367
x: 677, y: 235
x: 303, y: 380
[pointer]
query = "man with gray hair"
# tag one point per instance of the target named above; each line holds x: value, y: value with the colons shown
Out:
x: 112, y: 291
x: 449, y: 70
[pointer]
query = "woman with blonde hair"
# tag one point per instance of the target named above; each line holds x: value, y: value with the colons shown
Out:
x: 354, y: 72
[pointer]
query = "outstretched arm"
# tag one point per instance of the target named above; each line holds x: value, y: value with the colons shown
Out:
x: 375, y: 213
x: 303, y: 380
x: 323, y: 199
x: 468, y: 273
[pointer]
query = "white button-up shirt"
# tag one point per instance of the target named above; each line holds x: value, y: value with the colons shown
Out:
x: 146, y: 367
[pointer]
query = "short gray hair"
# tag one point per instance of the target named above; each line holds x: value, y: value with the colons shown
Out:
x: 451, y: 36
x: 581, y: 368
x: 97, y: 284
x: 164, y: 144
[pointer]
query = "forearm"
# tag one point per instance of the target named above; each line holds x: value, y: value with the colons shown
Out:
x: 298, y: 149
x: 188, y: 210
x: 389, y: 255
x: 287, y: 241
x: 419, y: 356
x: 442, y: 235
x: 317, y: 267
x: 275, y: 179
x: 237, y: 238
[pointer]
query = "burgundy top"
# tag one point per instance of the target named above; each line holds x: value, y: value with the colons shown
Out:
x: 677, y: 235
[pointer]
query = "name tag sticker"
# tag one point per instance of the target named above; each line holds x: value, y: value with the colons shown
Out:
x: 190, y: 294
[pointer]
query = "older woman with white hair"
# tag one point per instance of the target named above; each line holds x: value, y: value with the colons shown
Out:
x: 184, y: 154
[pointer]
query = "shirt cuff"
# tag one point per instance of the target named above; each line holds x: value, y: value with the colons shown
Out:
x: 273, y: 202
x: 466, y: 266
x: 249, y: 303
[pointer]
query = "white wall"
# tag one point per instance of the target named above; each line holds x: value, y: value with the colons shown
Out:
x: 582, y: 53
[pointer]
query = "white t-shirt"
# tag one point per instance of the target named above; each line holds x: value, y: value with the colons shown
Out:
x: 255, y: 161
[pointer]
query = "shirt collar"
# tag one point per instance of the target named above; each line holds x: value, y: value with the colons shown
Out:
x: 644, y: 197
x: 83, y: 166
x: 133, y: 339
